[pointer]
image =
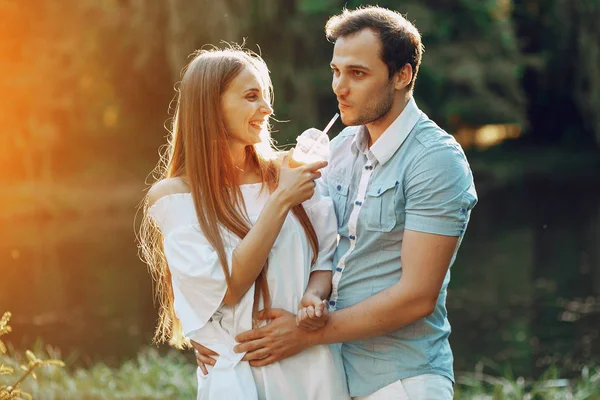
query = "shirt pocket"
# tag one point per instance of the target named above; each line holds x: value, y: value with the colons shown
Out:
x: 338, y: 189
x: 381, y: 207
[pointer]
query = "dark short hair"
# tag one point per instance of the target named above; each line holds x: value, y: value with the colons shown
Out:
x: 400, y: 39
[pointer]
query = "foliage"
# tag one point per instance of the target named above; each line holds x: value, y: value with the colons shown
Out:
x: 151, y: 376
x: 171, y: 376
x: 471, y: 68
x: 480, y: 386
x: 33, y: 362
x: 88, y: 85
x: 563, y: 84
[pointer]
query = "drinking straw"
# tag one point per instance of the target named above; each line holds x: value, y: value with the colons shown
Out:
x: 335, y: 117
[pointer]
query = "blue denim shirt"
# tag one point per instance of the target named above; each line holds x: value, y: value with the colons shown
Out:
x: 416, y: 177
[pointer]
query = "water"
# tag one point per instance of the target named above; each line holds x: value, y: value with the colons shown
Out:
x: 525, y: 288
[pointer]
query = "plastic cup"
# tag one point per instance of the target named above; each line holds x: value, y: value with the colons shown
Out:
x: 311, y: 146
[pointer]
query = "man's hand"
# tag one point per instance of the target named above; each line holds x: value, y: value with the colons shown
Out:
x: 280, y: 339
x: 204, y: 356
x: 312, y: 312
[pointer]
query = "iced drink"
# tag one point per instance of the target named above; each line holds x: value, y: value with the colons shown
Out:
x: 312, y: 145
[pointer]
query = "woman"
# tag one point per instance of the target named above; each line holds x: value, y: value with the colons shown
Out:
x: 229, y: 229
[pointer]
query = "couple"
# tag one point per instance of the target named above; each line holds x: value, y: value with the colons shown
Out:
x: 239, y: 242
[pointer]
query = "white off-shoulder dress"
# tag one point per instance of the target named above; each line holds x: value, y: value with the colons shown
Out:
x: 199, y: 287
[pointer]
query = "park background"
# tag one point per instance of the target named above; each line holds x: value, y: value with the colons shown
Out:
x: 85, y: 88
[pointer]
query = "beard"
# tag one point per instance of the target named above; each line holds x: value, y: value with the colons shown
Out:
x: 373, y: 111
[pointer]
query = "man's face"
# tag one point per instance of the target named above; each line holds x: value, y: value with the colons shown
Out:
x: 360, y: 78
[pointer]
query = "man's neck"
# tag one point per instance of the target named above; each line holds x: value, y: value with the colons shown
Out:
x: 376, y: 128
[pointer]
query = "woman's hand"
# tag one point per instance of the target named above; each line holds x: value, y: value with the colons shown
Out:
x: 297, y: 185
x: 313, y: 312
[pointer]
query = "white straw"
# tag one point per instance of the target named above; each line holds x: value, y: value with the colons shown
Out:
x: 335, y: 117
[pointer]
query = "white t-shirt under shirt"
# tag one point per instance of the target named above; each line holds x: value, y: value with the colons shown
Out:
x: 199, y: 287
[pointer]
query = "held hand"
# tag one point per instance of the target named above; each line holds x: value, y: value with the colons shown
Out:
x: 313, y: 312
x: 280, y: 339
x: 204, y: 356
x: 298, y: 184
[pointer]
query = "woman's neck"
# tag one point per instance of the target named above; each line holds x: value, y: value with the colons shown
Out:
x: 238, y: 156
x: 243, y: 167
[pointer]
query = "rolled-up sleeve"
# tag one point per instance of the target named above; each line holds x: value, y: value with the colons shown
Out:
x: 440, y: 192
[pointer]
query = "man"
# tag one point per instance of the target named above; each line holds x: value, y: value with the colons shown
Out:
x: 403, y: 192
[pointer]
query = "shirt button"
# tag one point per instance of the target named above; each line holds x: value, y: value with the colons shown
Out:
x: 339, y: 187
x: 378, y: 191
x: 463, y: 211
x: 332, y: 303
x: 358, y: 203
x: 366, y: 167
x: 352, y: 237
x: 338, y: 269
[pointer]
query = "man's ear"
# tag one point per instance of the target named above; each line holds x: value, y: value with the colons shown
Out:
x: 403, y: 77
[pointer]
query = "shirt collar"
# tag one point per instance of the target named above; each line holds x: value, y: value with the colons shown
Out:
x: 360, y: 141
x: 395, y: 134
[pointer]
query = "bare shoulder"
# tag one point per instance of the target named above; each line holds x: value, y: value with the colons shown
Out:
x: 166, y: 187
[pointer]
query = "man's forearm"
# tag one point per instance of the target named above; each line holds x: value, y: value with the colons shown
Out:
x: 384, y: 312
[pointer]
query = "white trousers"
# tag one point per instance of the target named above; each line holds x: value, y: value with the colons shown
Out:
x: 422, y: 387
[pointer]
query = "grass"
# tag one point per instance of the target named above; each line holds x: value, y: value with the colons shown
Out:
x: 153, y: 375
x: 479, y: 386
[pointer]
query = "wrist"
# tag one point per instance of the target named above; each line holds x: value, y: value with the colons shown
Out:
x: 281, y: 199
x: 314, y: 292
x: 313, y: 338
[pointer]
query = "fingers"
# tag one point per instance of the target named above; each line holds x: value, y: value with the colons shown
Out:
x: 203, y: 359
x: 314, y: 166
x: 322, y: 310
x: 202, y: 368
x: 249, y: 335
x: 203, y: 356
x: 285, y: 162
x: 251, y: 346
x: 307, y: 319
x: 301, y: 317
x: 265, y: 361
x: 256, y: 355
x: 319, y: 309
x: 311, y: 325
x: 203, y: 350
x: 271, y: 313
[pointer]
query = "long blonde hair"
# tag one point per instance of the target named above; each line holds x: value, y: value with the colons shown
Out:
x: 198, y: 148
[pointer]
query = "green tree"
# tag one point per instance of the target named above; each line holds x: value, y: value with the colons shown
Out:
x: 563, y: 88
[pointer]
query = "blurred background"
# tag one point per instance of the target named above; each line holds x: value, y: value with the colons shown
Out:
x: 85, y: 90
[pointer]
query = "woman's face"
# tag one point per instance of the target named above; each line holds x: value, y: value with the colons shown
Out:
x: 246, y: 108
